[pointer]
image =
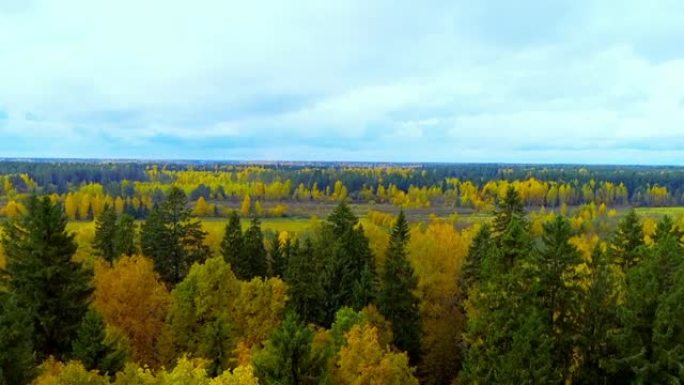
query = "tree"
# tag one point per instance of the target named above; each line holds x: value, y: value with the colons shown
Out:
x: 277, y: 261
x: 304, y: 282
x: 288, y: 357
x: 481, y: 246
x: 173, y: 239
x: 130, y: 296
x: 627, y: 240
x: 104, y: 242
x: 246, y: 206
x: 124, y: 237
x: 559, y: 289
x: 254, y: 261
x: 510, y: 207
x: 94, y: 349
x: 53, y: 288
x: 233, y: 243
x: 397, y: 300
x: 17, y: 361
x: 363, y: 361
x: 200, y: 318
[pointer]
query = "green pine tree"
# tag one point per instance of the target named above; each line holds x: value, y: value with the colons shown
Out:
x: 303, y: 278
x: 173, y: 238
x: 94, y: 350
x: 510, y: 207
x: 17, y: 359
x: 124, y: 237
x: 40, y: 271
x: 397, y: 300
x: 233, y: 243
x: 104, y: 243
x: 288, y: 357
x: 276, y: 258
x: 628, y: 240
x: 254, y: 261
x: 471, y: 272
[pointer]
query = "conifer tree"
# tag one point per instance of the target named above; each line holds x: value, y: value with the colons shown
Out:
x: 481, y: 246
x: 304, y: 283
x: 48, y: 284
x: 510, y: 207
x: 173, y: 239
x: 397, y: 300
x: 17, y: 358
x: 124, y: 238
x: 276, y: 258
x: 94, y: 350
x: 254, y: 262
x: 104, y: 242
x: 628, y: 240
x: 289, y: 357
x: 233, y: 243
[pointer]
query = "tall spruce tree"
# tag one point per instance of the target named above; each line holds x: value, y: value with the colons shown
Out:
x: 559, y: 290
x: 628, y: 240
x: 276, y: 258
x: 124, y: 237
x: 397, y: 300
x: 17, y: 358
x: 254, y: 262
x: 104, y: 243
x: 305, y: 288
x: 348, y: 272
x: 94, y: 350
x: 481, y: 246
x: 173, y: 238
x: 233, y: 243
x: 511, y: 206
x: 48, y: 284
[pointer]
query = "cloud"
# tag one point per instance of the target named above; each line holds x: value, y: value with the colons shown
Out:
x: 562, y: 81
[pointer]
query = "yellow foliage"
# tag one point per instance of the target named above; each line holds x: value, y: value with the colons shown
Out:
x: 362, y: 361
x: 73, y: 373
x: 131, y: 297
x: 13, y: 209
x: 246, y: 207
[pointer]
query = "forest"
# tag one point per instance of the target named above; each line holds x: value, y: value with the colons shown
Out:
x: 228, y: 273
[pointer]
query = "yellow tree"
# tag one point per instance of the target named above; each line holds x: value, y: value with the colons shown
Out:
x: 130, y: 296
x: 119, y: 205
x: 363, y: 361
x: 70, y: 206
x: 84, y: 207
x: 246, y: 207
x: 13, y: 209
x: 202, y: 208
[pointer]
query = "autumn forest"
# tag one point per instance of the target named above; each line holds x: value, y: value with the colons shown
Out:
x: 288, y: 273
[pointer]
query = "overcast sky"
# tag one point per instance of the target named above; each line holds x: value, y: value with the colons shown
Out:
x: 576, y: 81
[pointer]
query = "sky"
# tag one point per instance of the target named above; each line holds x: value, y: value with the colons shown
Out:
x: 578, y: 81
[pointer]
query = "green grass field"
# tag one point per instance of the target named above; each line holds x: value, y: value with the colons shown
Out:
x: 677, y: 211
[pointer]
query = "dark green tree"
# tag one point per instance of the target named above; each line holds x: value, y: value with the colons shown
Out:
x: 233, y: 243
x: 124, y: 237
x: 48, y: 284
x: 348, y: 273
x: 397, y: 300
x: 559, y: 290
x: 598, y: 319
x: 254, y: 262
x: 17, y: 359
x: 304, y: 283
x: 173, y: 238
x: 94, y: 350
x: 511, y: 206
x: 628, y: 240
x: 276, y: 257
x: 289, y: 358
x: 471, y: 272
x: 104, y: 243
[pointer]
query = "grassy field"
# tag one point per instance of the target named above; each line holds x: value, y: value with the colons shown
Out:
x: 674, y: 212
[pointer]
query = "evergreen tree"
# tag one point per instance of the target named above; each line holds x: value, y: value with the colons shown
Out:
x: 599, y: 318
x: 277, y: 261
x: 559, y: 289
x: 397, y: 300
x: 173, y: 239
x: 628, y: 241
x: 48, y: 284
x: 232, y: 243
x: 348, y: 273
x: 254, y: 261
x: 304, y: 284
x: 650, y: 341
x: 104, y: 243
x: 481, y: 246
x: 510, y: 207
x: 289, y: 358
x: 124, y: 238
x: 94, y: 350
x: 17, y: 359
